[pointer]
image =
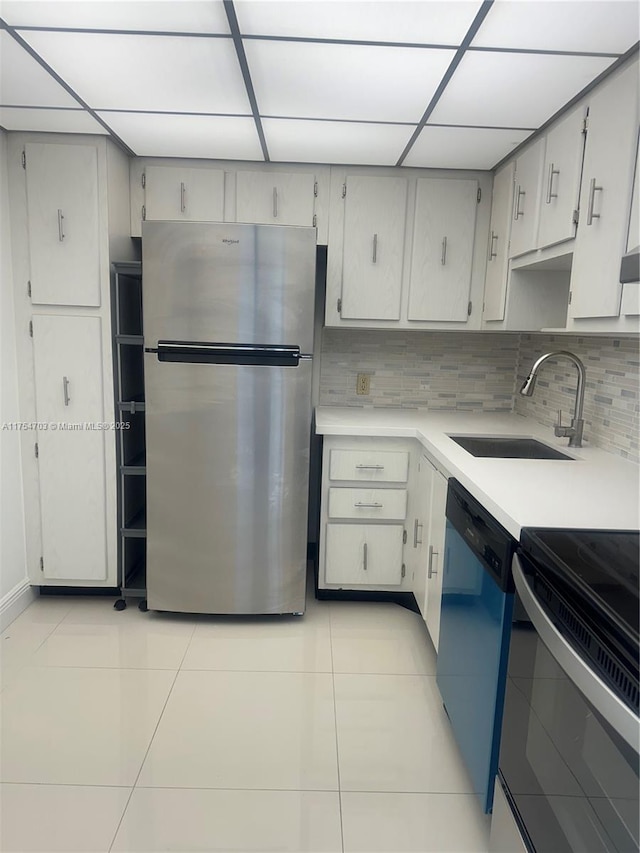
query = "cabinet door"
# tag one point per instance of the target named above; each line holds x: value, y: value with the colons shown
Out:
x: 275, y: 198
x: 420, y: 531
x: 71, y: 460
x: 495, y: 288
x: 63, y: 224
x: 561, y: 176
x: 184, y: 194
x: 526, y: 197
x: 435, y: 554
x: 443, y: 234
x: 374, y: 225
x: 364, y: 554
x: 605, y: 197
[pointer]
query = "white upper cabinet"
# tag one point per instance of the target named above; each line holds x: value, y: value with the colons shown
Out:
x: 561, y: 179
x: 63, y: 222
x: 275, y: 198
x: 605, y: 197
x: 373, y: 247
x: 181, y: 193
x: 443, y: 236
x: 526, y: 197
x: 497, y: 250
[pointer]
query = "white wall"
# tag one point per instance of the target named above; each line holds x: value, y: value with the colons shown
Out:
x: 13, y: 564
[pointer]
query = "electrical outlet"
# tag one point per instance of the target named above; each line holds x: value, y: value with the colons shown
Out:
x: 363, y: 384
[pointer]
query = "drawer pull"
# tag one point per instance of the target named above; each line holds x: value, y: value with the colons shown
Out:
x: 372, y: 505
x: 364, y: 556
x: 492, y: 246
x: 593, y: 189
x: 431, y: 571
x: 417, y: 526
x: 371, y: 467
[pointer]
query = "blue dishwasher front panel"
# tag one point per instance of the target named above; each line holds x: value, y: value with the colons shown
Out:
x: 475, y: 625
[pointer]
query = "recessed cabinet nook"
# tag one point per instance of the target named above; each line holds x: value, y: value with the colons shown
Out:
x: 535, y: 246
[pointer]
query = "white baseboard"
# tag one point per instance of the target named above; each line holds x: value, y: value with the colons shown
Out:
x: 15, y: 601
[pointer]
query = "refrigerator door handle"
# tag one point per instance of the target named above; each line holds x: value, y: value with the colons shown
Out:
x: 267, y: 355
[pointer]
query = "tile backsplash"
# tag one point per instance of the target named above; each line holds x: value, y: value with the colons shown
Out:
x: 477, y: 371
x: 612, y: 392
x: 424, y: 370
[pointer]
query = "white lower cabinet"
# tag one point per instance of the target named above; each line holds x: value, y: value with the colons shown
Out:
x: 429, y: 494
x: 364, y: 554
x: 71, y: 446
x: 363, y: 513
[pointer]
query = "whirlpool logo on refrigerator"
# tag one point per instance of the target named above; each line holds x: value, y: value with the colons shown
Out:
x: 229, y: 241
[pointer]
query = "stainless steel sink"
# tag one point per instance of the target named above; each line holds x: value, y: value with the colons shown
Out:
x: 499, y: 447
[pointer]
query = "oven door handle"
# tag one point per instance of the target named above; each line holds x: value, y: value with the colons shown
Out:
x: 603, y: 699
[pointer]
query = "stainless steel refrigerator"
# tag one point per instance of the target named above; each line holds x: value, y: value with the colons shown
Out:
x: 228, y: 336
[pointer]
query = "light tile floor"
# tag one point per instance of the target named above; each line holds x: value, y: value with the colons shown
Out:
x: 131, y: 731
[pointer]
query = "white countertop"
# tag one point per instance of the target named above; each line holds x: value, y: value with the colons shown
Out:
x: 595, y: 490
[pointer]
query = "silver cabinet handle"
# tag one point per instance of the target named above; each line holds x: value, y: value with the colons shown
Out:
x: 60, y: 225
x: 275, y: 202
x: 517, y: 213
x: 443, y: 256
x: 550, y: 193
x: 613, y: 709
x: 374, y: 256
x: 373, y: 505
x: 65, y: 390
x: 593, y: 189
x: 416, y: 526
x: 492, y: 242
x: 371, y: 467
x: 431, y: 571
x: 364, y: 557
x: 182, y: 197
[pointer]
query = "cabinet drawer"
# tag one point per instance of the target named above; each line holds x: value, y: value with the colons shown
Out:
x: 381, y: 466
x: 388, y: 504
x: 367, y: 554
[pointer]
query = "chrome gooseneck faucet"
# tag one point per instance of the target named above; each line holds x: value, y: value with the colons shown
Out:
x: 574, y: 431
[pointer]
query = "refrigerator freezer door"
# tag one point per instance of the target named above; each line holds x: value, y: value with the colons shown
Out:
x: 227, y: 486
x: 230, y: 283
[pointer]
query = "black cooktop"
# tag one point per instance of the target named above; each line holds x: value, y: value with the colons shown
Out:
x: 602, y: 564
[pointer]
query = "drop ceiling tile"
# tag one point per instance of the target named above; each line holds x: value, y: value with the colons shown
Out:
x: 185, y: 16
x: 24, y: 82
x: 400, y: 21
x: 52, y: 121
x: 463, y: 147
x: 605, y: 26
x: 513, y: 89
x: 163, y: 135
x: 301, y: 141
x: 294, y: 79
x: 165, y: 73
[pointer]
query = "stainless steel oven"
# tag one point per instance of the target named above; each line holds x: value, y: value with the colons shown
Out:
x: 570, y: 736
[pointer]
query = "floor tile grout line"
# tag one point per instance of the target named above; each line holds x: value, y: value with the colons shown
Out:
x: 187, y: 647
x: 335, y: 718
x: 144, y: 758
